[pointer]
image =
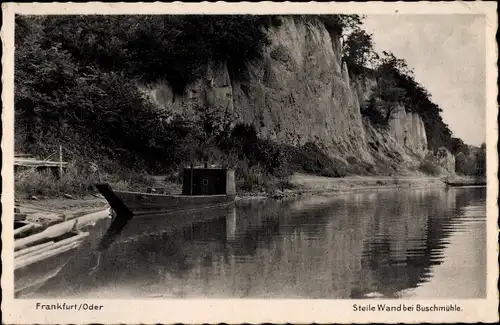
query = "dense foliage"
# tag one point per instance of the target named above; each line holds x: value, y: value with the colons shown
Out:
x: 481, y: 161
x: 471, y: 162
x: 75, y: 85
x: 155, y: 47
x: 417, y: 99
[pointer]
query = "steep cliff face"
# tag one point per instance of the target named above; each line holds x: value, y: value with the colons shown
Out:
x: 409, y: 131
x: 300, y: 92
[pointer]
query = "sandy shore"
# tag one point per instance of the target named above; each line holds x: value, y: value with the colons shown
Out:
x: 69, y: 208
x: 302, y: 185
x: 310, y: 184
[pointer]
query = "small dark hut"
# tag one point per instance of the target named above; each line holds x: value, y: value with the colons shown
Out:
x: 208, y: 181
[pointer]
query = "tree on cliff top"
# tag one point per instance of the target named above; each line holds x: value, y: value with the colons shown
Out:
x: 357, y: 44
x: 357, y: 51
x: 397, y: 87
x: 394, y: 66
x: 457, y: 146
x: 338, y: 24
x: 387, y: 95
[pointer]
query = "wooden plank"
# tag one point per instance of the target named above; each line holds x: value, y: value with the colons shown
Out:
x: 39, y: 163
x: 45, y: 255
x: 23, y: 229
x: 60, y: 162
x: 42, y: 250
x: 59, y: 229
x: 32, y: 249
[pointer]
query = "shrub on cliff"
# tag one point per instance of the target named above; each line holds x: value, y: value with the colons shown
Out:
x: 465, y: 164
x: 430, y: 168
x: 457, y: 146
x: 358, y: 52
x: 385, y: 100
x: 309, y: 158
x: 280, y: 160
x: 481, y: 161
x: 361, y: 59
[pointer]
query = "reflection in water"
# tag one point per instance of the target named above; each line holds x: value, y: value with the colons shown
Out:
x: 405, y: 243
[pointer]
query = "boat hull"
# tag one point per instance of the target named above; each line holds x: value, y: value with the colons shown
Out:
x: 138, y: 214
x: 145, y: 204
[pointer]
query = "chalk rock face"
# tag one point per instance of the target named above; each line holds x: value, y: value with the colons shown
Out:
x: 408, y: 130
x: 299, y: 92
x: 213, y: 92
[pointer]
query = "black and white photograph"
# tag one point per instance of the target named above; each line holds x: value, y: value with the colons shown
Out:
x: 312, y: 156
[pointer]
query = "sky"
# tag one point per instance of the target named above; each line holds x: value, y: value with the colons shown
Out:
x: 447, y: 54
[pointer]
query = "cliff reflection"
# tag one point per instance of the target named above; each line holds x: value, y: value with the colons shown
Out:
x: 324, y: 247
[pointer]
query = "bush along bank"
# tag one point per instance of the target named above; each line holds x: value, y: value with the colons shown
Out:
x: 261, y: 167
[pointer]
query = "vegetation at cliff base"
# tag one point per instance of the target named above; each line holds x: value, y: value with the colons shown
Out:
x: 471, y: 162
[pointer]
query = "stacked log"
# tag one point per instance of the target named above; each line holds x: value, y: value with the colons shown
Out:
x: 47, y: 243
x: 60, y: 229
x: 44, y: 251
x: 32, y: 249
x: 19, y: 232
x: 41, y: 251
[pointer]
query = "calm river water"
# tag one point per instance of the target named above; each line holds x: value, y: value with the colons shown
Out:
x: 427, y: 243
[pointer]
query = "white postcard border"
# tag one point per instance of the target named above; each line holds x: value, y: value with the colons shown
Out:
x: 246, y: 310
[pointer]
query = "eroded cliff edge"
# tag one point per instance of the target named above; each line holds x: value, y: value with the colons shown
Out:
x: 299, y: 92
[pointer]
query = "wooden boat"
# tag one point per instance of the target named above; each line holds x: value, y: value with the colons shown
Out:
x: 203, y: 189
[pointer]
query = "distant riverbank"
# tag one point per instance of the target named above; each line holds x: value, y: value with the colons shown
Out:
x: 298, y: 185
x: 302, y: 184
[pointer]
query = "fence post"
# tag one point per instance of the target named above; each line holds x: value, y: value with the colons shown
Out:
x: 60, y: 162
x: 191, y: 179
